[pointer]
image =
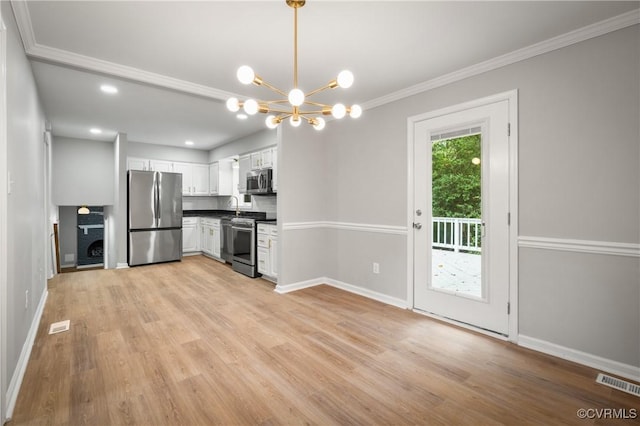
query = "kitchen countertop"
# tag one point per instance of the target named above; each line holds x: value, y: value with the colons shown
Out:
x: 261, y: 216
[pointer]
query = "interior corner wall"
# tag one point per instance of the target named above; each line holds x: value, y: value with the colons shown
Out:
x: 579, y: 165
x: 27, y: 239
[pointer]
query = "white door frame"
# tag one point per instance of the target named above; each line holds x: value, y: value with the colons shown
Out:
x: 512, y: 98
x: 3, y: 218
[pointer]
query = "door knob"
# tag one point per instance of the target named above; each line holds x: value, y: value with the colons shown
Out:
x: 417, y: 225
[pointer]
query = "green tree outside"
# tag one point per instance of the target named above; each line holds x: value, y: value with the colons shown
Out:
x: 456, y: 180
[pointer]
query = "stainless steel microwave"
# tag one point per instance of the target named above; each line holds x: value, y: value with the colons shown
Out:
x: 259, y: 181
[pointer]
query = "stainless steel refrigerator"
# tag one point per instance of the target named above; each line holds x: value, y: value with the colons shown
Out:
x: 155, y: 217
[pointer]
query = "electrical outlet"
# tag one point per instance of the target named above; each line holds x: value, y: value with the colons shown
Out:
x: 376, y: 268
x: 26, y: 299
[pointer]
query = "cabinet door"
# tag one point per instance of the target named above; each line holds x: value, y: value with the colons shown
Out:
x: 273, y: 258
x: 189, y: 238
x: 200, y: 178
x: 137, y: 164
x: 185, y: 169
x: 244, y: 167
x: 256, y: 161
x: 263, y: 261
x: 216, y: 242
x: 214, y: 170
x: 161, y: 166
x: 267, y: 156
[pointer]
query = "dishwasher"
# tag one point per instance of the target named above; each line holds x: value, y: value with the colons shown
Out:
x: 226, y: 242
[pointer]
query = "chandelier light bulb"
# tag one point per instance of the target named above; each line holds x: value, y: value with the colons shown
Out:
x: 296, y: 97
x: 233, y: 104
x: 271, y: 122
x: 295, y: 122
x: 345, y: 79
x: 339, y: 111
x: 356, y: 111
x: 320, y: 123
x: 245, y: 74
x: 250, y: 106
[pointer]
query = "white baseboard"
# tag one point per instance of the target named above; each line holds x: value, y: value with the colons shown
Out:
x: 120, y: 265
x: 282, y: 289
x: 368, y: 293
x: 614, y: 367
x: 21, y: 367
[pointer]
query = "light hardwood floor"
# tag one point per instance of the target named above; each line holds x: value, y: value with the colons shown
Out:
x: 195, y: 343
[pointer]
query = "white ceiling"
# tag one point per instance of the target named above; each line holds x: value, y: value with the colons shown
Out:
x: 175, y: 62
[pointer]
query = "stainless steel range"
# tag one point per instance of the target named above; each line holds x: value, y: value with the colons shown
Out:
x: 243, y: 231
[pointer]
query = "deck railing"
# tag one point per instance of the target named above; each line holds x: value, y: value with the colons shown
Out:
x: 457, y: 234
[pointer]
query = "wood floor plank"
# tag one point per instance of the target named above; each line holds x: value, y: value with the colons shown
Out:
x: 195, y: 343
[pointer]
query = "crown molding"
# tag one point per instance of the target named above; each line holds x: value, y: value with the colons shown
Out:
x: 64, y: 57
x: 59, y: 56
x: 585, y: 33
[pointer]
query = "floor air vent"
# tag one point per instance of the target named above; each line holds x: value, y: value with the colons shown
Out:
x: 59, y: 327
x: 619, y: 384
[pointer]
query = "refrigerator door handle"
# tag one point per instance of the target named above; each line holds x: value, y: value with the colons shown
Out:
x: 157, y: 197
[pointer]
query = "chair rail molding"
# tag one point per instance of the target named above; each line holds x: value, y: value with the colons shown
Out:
x: 580, y: 246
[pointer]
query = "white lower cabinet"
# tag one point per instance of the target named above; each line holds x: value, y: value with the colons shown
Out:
x: 190, y: 240
x: 210, y: 237
x: 267, y: 250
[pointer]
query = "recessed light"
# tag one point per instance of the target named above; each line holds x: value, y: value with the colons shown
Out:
x: 188, y: 143
x: 242, y: 116
x: 95, y: 131
x: 106, y: 88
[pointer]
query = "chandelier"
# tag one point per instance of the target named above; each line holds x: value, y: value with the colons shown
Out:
x: 296, y: 105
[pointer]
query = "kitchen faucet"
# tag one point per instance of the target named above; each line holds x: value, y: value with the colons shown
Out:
x: 237, y: 205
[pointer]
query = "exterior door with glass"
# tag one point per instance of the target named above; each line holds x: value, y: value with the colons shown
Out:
x: 461, y: 216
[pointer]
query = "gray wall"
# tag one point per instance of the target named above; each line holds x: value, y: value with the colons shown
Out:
x: 579, y: 164
x: 82, y: 172
x: 26, y: 238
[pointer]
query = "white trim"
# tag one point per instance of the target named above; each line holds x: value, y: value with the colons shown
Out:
x: 350, y: 226
x: 580, y: 246
x: 614, y: 367
x: 51, y: 54
x: 590, y: 31
x: 21, y: 367
x: 35, y: 50
x: 121, y: 265
x: 369, y: 294
x: 512, y: 97
x: 65, y: 57
x: 4, y: 203
x: 288, y: 288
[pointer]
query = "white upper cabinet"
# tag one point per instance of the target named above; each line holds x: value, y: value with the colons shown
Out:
x: 200, y: 179
x: 137, y: 164
x: 161, y: 166
x: 262, y: 159
x: 221, y: 178
x: 195, y: 178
